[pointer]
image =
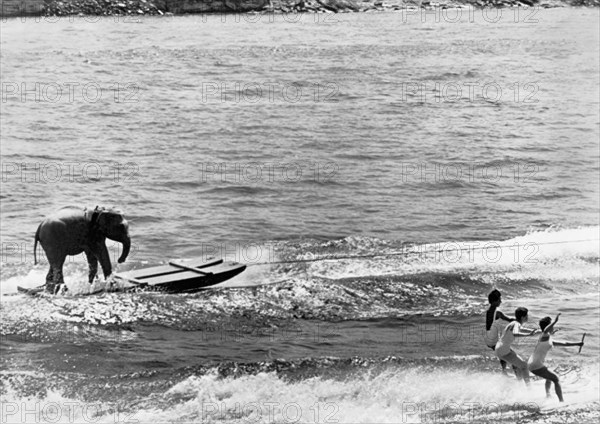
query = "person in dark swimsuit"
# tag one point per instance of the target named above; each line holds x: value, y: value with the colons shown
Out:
x: 495, y: 321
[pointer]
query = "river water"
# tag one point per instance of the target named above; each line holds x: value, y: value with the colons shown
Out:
x: 463, y: 148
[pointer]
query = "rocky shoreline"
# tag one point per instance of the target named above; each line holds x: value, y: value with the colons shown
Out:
x: 174, y: 7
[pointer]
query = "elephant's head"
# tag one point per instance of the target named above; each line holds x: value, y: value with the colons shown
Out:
x: 112, y: 225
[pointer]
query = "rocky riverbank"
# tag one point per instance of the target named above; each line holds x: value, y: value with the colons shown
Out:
x: 162, y: 7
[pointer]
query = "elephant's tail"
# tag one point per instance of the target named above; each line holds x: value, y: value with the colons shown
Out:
x: 37, y: 238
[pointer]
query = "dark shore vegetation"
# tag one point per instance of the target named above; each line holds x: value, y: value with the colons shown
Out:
x: 167, y: 7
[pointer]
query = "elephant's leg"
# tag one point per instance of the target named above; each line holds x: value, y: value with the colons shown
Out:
x: 50, y: 284
x: 93, y: 264
x: 50, y: 276
x: 104, y: 257
x: 57, y: 270
x: 58, y: 279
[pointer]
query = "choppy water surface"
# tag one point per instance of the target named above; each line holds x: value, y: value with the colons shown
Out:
x: 436, y: 159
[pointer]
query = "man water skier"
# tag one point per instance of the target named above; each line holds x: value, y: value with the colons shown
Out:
x: 503, y: 347
x: 495, y: 321
x: 536, y: 361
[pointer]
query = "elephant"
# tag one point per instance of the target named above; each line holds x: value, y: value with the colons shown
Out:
x: 72, y: 230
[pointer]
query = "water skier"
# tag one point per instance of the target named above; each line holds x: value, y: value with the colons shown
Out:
x: 536, y: 360
x: 503, y: 347
x: 495, y: 321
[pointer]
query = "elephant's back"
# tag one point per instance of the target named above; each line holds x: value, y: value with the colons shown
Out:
x: 63, y: 220
x: 67, y: 212
x: 65, y: 230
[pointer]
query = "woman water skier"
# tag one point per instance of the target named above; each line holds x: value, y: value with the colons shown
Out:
x: 536, y: 361
x: 503, y: 347
x: 495, y: 321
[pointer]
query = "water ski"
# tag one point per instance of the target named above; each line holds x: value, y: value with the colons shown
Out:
x: 33, y: 291
x: 179, y: 276
x: 41, y: 291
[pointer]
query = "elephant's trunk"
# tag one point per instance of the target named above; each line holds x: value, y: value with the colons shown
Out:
x: 126, y: 246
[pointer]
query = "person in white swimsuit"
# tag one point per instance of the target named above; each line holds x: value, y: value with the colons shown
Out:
x: 503, y: 347
x: 536, y: 361
x: 495, y: 321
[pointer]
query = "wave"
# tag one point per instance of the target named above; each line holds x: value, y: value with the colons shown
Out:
x: 448, y: 390
x: 348, y: 279
x: 393, y: 395
x: 371, y: 336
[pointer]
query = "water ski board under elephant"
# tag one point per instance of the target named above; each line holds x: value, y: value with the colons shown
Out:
x: 180, y: 276
x: 33, y: 291
x: 41, y: 291
x: 176, y: 277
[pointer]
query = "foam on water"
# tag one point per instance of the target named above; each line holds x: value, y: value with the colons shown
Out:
x: 393, y: 395
x: 534, y: 252
x: 430, y: 282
